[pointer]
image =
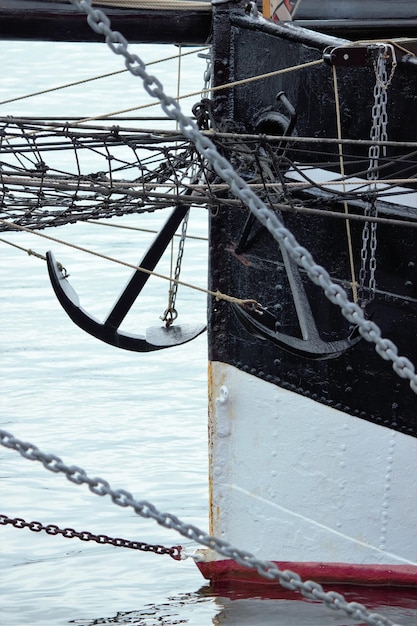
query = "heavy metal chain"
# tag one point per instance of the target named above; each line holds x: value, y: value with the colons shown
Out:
x: 378, y: 134
x: 371, y: 332
x: 267, y: 569
x: 85, y: 535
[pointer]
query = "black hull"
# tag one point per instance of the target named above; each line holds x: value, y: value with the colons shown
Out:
x: 357, y: 380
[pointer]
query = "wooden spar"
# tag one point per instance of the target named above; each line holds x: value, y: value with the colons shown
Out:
x: 183, y: 22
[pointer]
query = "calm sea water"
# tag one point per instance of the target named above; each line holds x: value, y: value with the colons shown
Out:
x: 137, y: 420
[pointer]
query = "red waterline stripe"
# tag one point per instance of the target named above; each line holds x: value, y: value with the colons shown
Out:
x: 335, y: 573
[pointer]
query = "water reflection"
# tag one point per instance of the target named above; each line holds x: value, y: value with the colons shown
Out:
x: 206, y: 606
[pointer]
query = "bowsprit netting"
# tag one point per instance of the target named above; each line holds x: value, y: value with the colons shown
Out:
x: 53, y: 173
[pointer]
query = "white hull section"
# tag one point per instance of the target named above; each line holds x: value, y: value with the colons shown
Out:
x: 294, y: 480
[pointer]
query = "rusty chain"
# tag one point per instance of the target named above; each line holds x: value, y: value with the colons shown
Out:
x: 85, y: 535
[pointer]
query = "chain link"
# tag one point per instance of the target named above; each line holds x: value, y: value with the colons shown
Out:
x: 402, y: 366
x: 267, y: 569
x: 85, y: 535
x: 378, y: 134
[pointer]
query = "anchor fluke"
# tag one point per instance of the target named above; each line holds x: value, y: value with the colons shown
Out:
x: 155, y: 338
x: 165, y: 337
x: 261, y: 323
x: 105, y: 332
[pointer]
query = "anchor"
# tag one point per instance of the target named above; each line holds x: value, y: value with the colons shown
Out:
x: 260, y: 322
x: 108, y: 331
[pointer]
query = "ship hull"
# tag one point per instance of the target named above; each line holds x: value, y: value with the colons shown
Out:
x: 313, y: 439
x: 308, y: 487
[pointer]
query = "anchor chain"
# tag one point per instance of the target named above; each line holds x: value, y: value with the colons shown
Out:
x: 85, y: 535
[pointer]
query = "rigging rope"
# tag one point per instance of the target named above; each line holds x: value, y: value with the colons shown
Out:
x: 318, y: 275
x: 142, y: 230
x: 185, y: 5
x: 210, y: 90
x: 201, y: 92
x: 354, y: 281
x: 216, y: 294
x: 113, y: 171
x: 93, y: 78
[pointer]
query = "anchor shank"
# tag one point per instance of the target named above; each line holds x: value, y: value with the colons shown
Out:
x: 302, y: 306
x: 246, y: 232
x: 149, y: 261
